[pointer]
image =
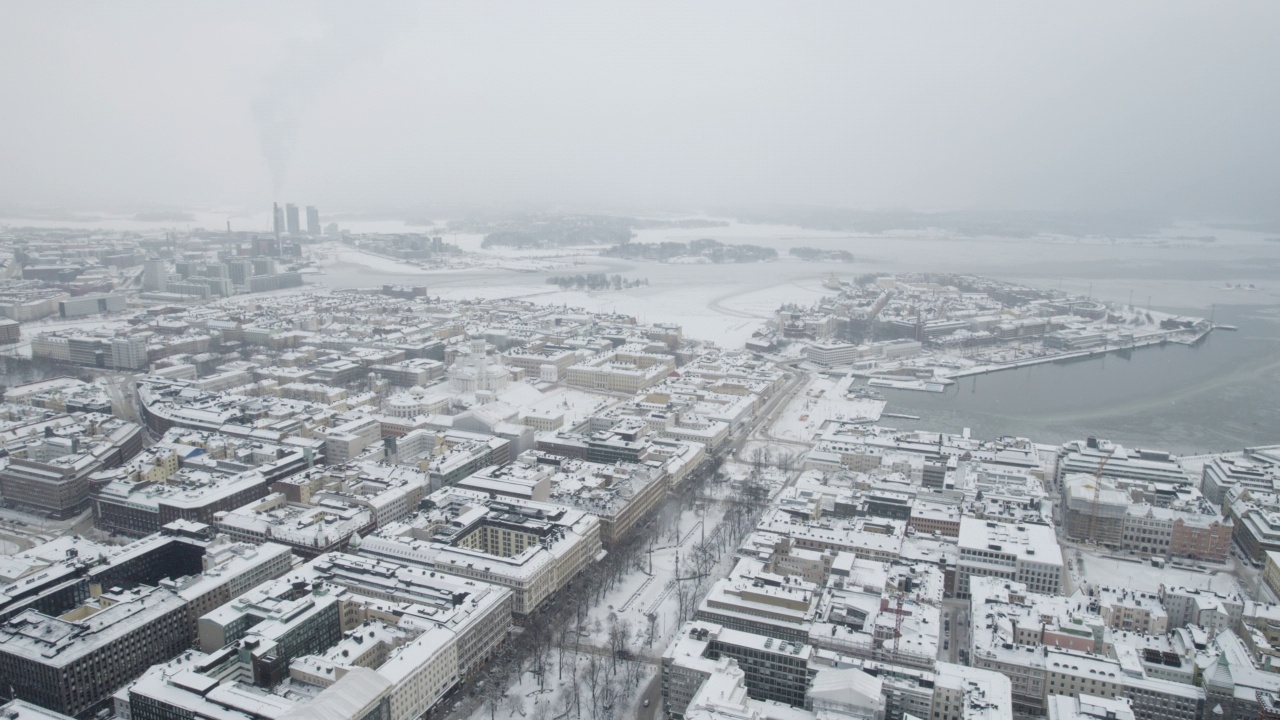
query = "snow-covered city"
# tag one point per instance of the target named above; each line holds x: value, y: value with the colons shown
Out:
x: 729, y: 360
x: 302, y: 499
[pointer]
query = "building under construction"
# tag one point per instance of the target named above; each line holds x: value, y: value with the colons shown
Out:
x: 1095, y: 510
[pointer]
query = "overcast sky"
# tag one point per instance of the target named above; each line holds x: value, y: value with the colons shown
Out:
x: 1162, y: 106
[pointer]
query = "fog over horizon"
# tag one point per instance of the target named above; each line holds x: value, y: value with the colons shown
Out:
x: 1164, y: 109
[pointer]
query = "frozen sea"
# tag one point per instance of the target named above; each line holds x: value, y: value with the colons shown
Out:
x: 1220, y: 395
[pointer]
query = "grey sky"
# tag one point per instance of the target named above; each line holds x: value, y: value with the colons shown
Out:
x: 1167, y: 107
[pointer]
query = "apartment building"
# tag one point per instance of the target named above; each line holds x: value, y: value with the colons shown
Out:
x: 479, y: 614
x: 534, y: 549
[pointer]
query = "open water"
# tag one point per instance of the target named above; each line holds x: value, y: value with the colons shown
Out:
x: 1223, y: 394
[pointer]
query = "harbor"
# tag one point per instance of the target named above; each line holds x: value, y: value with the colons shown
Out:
x: 1156, y: 339
x: 1156, y: 395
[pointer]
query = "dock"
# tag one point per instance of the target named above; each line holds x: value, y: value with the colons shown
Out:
x: 1156, y: 339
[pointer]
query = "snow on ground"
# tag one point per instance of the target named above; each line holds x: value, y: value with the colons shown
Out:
x: 577, y: 405
x: 704, y: 311
x: 639, y: 594
x: 526, y: 699
x: 724, y: 304
x: 631, y: 600
x: 520, y: 394
x: 85, y: 323
x: 519, y: 261
x: 1107, y: 570
x: 37, y: 327
x: 825, y: 399
x: 339, y: 255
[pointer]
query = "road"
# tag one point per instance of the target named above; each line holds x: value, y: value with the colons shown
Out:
x: 764, y: 419
x: 653, y: 693
x: 1251, y: 578
x: 760, y: 424
x: 120, y: 388
x: 26, y: 530
x: 468, y: 703
x: 955, y: 633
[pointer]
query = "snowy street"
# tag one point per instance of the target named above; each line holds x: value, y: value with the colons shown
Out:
x: 623, y: 611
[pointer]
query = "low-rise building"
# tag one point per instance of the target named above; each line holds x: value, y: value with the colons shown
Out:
x: 1088, y: 707
x: 389, y: 492
x: 756, y: 601
x: 966, y: 693
x: 50, y: 473
x: 310, y: 530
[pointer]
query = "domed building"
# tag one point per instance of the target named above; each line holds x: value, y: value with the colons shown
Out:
x: 478, y: 371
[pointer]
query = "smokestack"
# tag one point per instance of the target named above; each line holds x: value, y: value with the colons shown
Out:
x: 277, y: 219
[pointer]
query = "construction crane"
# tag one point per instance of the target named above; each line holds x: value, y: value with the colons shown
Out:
x: 1097, y: 495
x: 897, y: 623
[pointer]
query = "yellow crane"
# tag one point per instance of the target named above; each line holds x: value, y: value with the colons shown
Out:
x: 1097, y: 495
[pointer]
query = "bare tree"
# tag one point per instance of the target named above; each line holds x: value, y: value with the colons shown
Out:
x: 570, y: 698
x: 702, y: 557
x: 538, y: 637
x: 593, y: 676
x: 567, y: 633
x: 786, y: 461
x: 610, y: 693
x: 633, y: 668
x: 493, y: 687
x: 619, y: 639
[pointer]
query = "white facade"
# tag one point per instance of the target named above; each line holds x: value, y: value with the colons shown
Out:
x: 349, y: 439
x: 1027, y: 553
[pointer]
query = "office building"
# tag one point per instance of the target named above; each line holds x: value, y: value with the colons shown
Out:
x: 774, y: 670
x: 154, y: 275
x: 10, y: 331
x: 965, y: 693
x: 73, y: 663
x: 628, y: 369
x: 1024, y: 552
x: 86, y: 305
x: 1155, y: 468
x: 214, y: 686
x: 53, y: 478
x: 313, y: 221
x: 1089, y: 707
x: 347, y: 440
